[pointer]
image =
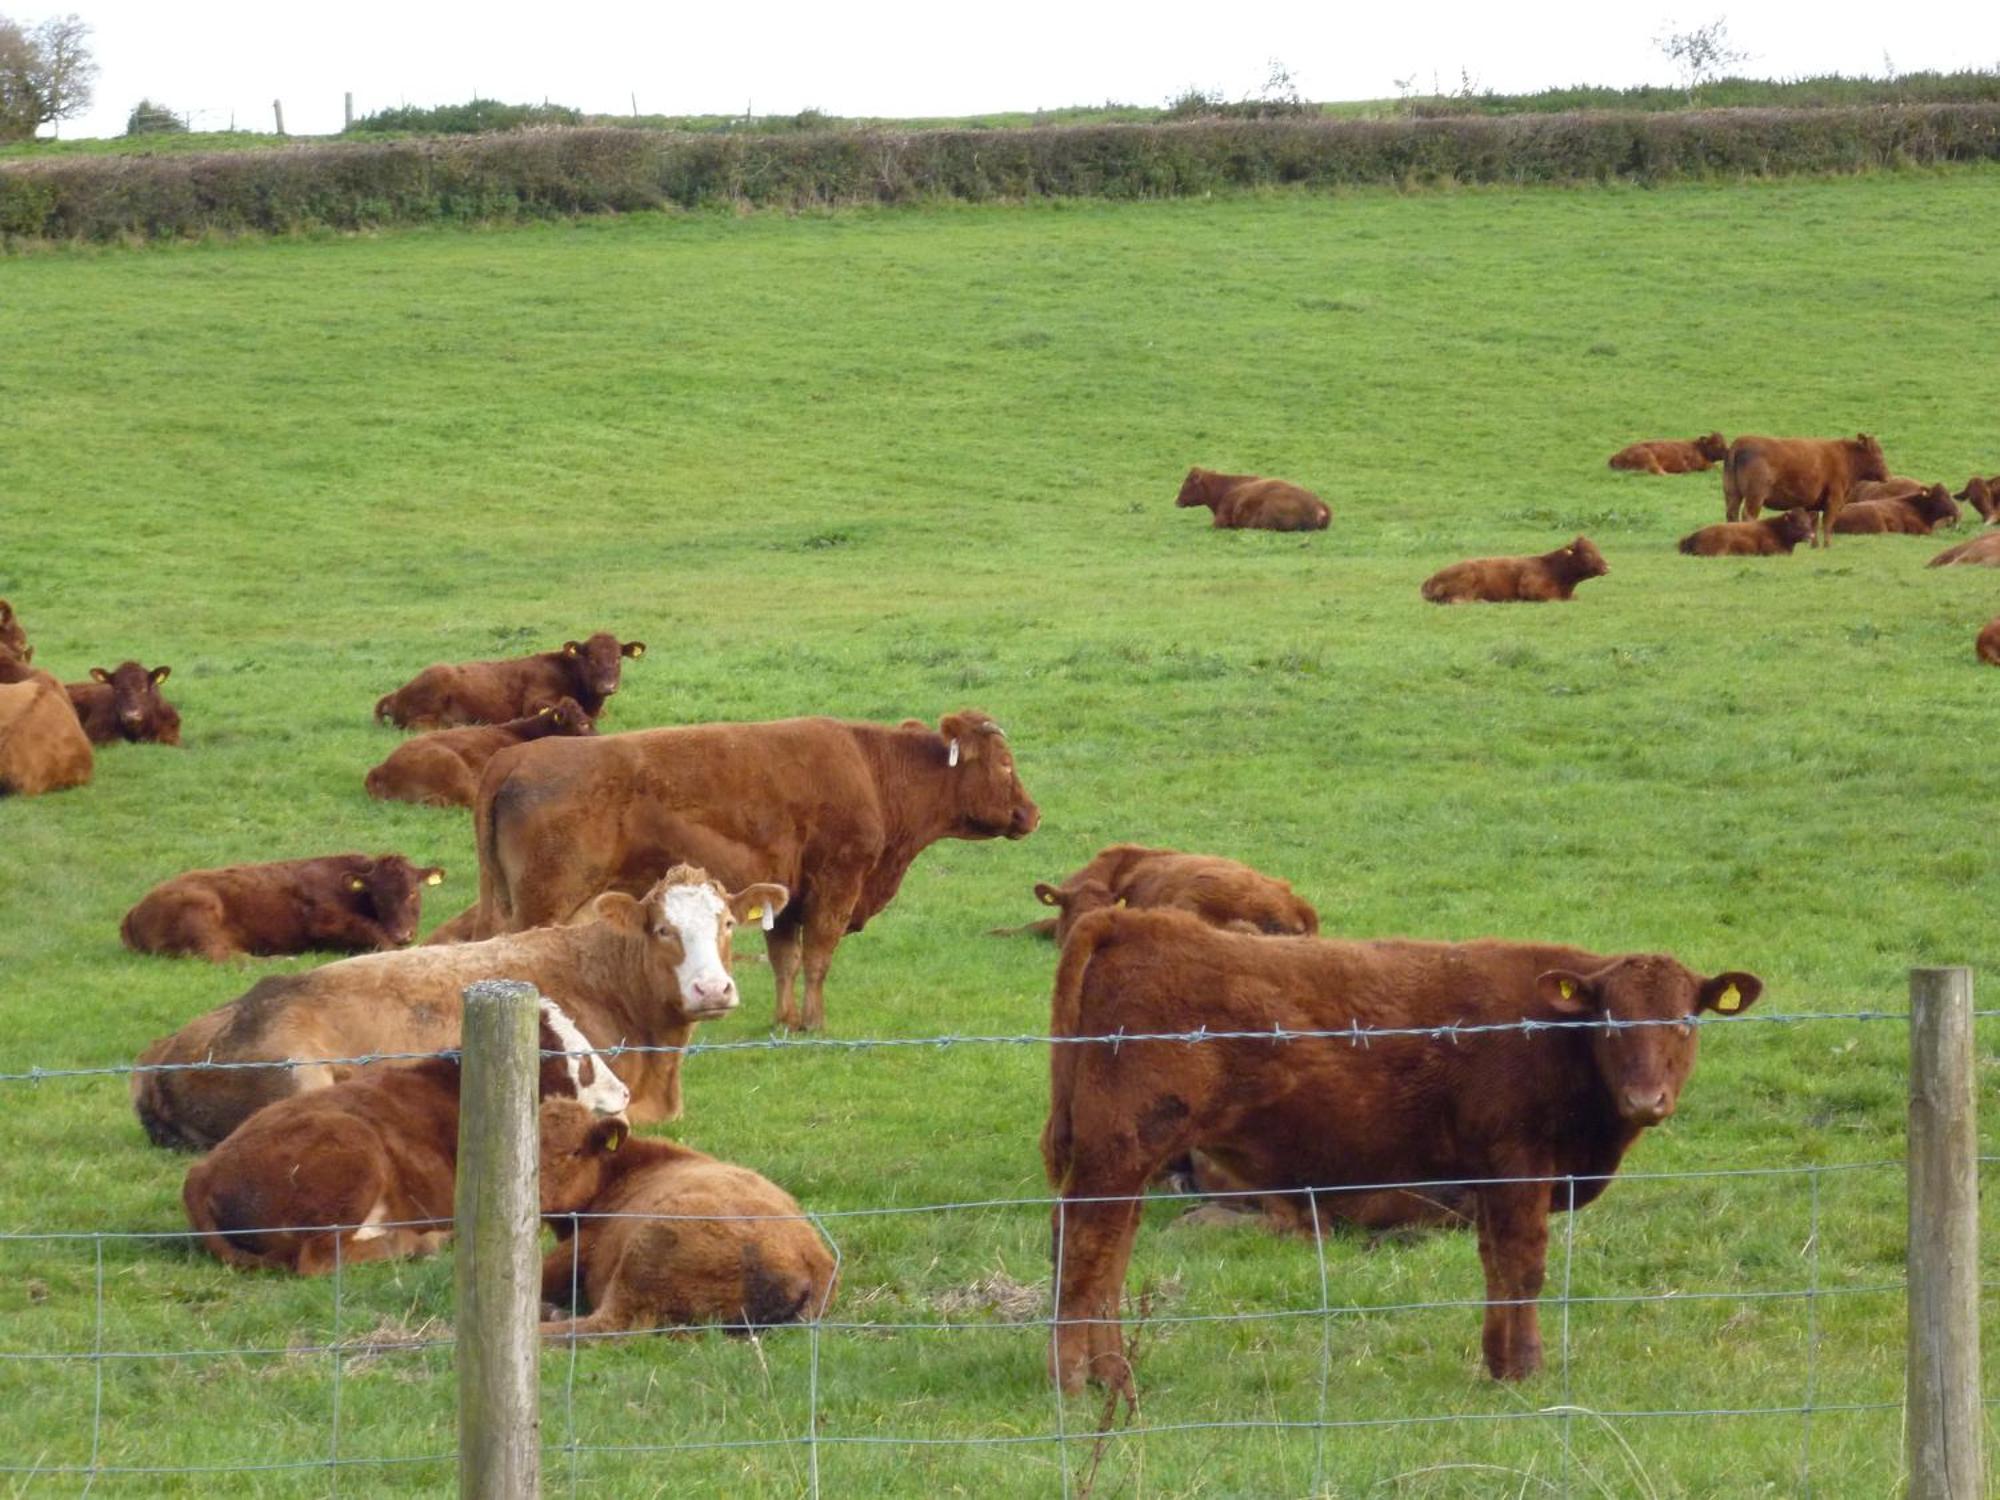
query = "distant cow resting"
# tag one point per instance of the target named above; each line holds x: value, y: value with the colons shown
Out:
x: 442, y: 768
x: 13, y: 639
x: 42, y: 746
x: 1904, y: 515
x: 1220, y: 891
x: 1510, y: 1110
x: 351, y: 903
x: 365, y: 1170
x: 637, y: 972
x: 1767, y: 537
x: 495, y: 692
x: 1983, y: 550
x: 125, y: 704
x: 1245, y: 500
x: 1983, y: 495
x: 1813, y: 474
x: 1669, y: 456
x: 1505, y: 580
x: 836, y: 811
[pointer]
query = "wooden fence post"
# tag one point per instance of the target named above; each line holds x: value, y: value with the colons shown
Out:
x: 499, y: 1268
x: 278, y: 111
x: 348, y: 110
x: 1943, y: 1415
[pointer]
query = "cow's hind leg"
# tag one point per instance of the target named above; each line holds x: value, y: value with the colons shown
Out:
x: 781, y: 946
x: 825, y: 925
x: 1092, y: 1230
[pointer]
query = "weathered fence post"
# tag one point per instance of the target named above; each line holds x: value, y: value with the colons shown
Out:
x: 1943, y: 1415
x: 348, y: 109
x: 278, y: 111
x: 499, y: 1270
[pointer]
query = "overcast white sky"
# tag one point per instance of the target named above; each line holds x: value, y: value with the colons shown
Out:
x: 224, y: 58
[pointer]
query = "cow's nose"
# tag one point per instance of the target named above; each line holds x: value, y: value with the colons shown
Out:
x: 1026, y: 820
x: 1647, y: 1106
x: 715, y: 992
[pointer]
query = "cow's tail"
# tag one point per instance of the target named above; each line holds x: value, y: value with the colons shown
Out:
x: 496, y: 901
x: 1065, y: 1020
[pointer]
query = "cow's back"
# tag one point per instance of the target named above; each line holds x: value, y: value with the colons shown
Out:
x: 43, y: 747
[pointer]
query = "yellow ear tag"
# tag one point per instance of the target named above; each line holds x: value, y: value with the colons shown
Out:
x: 434, y: 878
x: 611, y: 1141
x: 357, y: 884
x: 1568, y: 989
x: 1729, y: 1001
x: 754, y: 913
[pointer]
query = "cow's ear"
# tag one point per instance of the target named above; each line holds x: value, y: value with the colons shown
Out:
x: 1567, y: 993
x: 1047, y: 894
x: 760, y: 903
x: 605, y: 1137
x: 621, y: 910
x: 98, y: 674
x: 633, y: 649
x: 434, y: 875
x: 160, y: 675
x: 1729, y: 993
x: 570, y: 648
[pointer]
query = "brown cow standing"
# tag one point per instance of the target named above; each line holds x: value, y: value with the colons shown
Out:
x: 442, y: 769
x: 338, y: 903
x: 1220, y: 891
x: 1983, y: 550
x: 1527, y: 1118
x: 1905, y: 515
x: 685, y: 1240
x: 641, y: 972
x: 365, y: 1170
x: 1815, y: 474
x: 1983, y: 495
x: 1768, y: 537
x: 13, y: 639
x: 836, y: 811
x: 1505, y: 580
x: 1666, y: 456
x: 1987, y: 647
x: 42, y: 746
x: 125, y: 704
x: 1244, y: 500
x: 495, y: 692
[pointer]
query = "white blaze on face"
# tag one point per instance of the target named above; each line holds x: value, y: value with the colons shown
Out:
x: 696, y: 913
x: 603, y: 1091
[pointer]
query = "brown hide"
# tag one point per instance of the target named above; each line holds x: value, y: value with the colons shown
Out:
x: 442, y: 768
x: 13, y: 638
x: 1222, y: 892
x: 1895, y: 487
x: 496, y: 692
x: 1987, y: 647
x: 42, y: 746
x: 1768, y: 536
x: 1904, y: 515
x: 1983, y: 495
x: 1295, y: 1115
x: 1505, y: 580
x: 1815, y: 474
x: 1239, y: 501
x: 737, y: 1251
x: 125, y: 704
x: 835, y: 811
x: 1983, y: 550
x: 337, y: 903
x: 1671, y: 456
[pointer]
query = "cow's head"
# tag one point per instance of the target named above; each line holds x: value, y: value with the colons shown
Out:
x: 1868, y: 460
x: 573, y: 1069
x: 1793, y: 526
x: 135, y: 697
x: 1714, y: 447
x: 389, y: 890
x: 13, y: 639
x: 564, y: 716
x: 1978, y: 493
x: 1643, y: 1068
x: 1279, y: 911
x: 1584, y: 559
x: 578, y: 1150
x: 1937, y: 507
x: 688, y: 920
x: 1071, y: 901
x: 987, y: 798
x: 597, y: 662
x: 1194, y: 488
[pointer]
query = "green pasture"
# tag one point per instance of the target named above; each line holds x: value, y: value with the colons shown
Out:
x: 878, y: 464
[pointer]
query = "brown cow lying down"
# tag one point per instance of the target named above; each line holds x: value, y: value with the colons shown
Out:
x: 1220, y: 891
x: 837, y: 811
x: 42, y: 747
x: 1667, y: 456
x: 1983, y: 495
x: 638, y: 972
x: 1906, y: 515
x: 496, y: 692
x: 1988, y: 644
x: 125, y: 704
x: 695, y: 1241
x: 1504, y: 580
x: 13, y: 639
x: 338, y: 903
x: 1895, y: 487
x: 365, y: 1170
x: 1767, y: 537
x: 1289, y: 1116
x: 1244, y: 500
x: 1983, y: 549
x: 1814, y: 474
x: 442, y: 768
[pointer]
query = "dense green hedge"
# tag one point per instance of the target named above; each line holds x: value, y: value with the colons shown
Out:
x: 552, y: 172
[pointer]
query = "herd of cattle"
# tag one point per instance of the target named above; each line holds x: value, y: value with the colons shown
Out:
x: 615, y: 868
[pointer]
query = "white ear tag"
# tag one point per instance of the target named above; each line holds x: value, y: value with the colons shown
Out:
x: 770, y: 919
x: 952, y: 758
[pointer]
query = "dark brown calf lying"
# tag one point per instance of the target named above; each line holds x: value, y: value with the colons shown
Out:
x: 42, y: 747
x: 344, y: 903
x: 1904, y: 515
x: 1222, y: 892
x: 1523, y: 1118
x: 1244, y: 500
x: 1766, y: 537
x: 1505, y: 580
x: 694, y: 1241
x: 1667, y: 456
x: 442, y: 768
x: 496, y: 692
x: 125, y: 704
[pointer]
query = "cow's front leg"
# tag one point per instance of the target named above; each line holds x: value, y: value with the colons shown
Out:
x: 1513, y: 1248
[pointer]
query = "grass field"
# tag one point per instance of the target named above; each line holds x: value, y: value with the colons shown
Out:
x: 883, y: 464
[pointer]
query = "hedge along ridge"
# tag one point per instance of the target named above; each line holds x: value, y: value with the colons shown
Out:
x: 544, y: 173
